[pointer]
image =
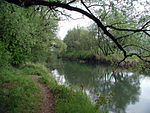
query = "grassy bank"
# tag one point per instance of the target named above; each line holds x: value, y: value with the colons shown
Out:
x: 20, y: 94
x: 68, y: 99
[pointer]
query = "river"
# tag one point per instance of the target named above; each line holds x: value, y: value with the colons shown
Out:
x: 131, y: 91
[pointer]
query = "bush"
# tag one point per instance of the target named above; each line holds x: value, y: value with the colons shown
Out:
x: 4, y: 57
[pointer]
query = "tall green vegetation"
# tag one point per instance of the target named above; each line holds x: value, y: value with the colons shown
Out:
x: 26, y: 34
x: 114, y: 17
x: 80, y: 43
x: 136, y: 21
x: 122, y: 21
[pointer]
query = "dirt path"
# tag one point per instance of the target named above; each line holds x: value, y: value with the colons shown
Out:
x: 48, y: 98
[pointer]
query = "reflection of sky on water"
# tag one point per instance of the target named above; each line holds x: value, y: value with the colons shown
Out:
x: 59, y: 78
x: 143, y: 106
x: 131, y: 90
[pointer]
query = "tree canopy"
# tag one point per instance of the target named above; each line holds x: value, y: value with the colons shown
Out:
x: 26, y: 34
x: 132, y: 22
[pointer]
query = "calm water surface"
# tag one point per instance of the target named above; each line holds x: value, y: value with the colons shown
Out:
x: 131, y: 91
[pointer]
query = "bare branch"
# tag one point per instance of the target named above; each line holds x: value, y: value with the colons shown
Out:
x: 132, y: 30
x: 69, y: 16
x: 93, y: 5
x: 125, y: 36
x: 86, y: 7
x: 119, y: 29
x: 102, y: 18
x: 136, y: 46
x: 129, y: 30
x: 133, y: 54
x: 145, y: 24
x: 71, y: 2
x: 118, y: 23
x: 146, y: 33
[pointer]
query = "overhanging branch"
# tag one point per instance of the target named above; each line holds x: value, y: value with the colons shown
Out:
x: 129, y: 30
x: 86, y: 7
x: 145, y: 24
x: 121, y: 37
x: 137, y: 46
x: 29, y: 3
x: 133, y: 54
x: 71, y: 2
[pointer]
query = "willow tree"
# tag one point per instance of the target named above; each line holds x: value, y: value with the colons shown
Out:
x: 89, y: 7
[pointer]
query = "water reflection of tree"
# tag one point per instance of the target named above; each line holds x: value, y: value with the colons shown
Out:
x: 104, y: 80
x: 124, y: 86
x: 78, y: 74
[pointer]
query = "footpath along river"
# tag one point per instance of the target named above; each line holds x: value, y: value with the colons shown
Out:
x: 131, y: 91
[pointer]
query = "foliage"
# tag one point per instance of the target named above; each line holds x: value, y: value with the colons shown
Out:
x: 59, y: 47
x: 12, y: 21
x: 120, y: 24
x: 103, y: 99
x: 81, y: 55
x: 80, y: 44
x: 137, y: 21
x: 117, y: 19
x: 79, y: 39
x: 4, y: 57
x: 21, y: 94
x: 27, y: 34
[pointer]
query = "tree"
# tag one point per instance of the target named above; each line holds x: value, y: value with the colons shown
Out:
x: 59, y: 47
x: 118, y: 19
x: 80, y: 44
x: 25, y: 34
x: 79, y: 39
x: 126, y: 6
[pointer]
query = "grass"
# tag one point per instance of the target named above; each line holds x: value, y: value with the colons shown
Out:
x: 68, y: 99
x: 20, y: 94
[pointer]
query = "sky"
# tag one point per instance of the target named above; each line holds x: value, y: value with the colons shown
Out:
x: 68, y: 24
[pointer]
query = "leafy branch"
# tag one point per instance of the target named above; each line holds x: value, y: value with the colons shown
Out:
x: 89, y: 14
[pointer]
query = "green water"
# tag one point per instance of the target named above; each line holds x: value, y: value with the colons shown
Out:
x: 131, y: 91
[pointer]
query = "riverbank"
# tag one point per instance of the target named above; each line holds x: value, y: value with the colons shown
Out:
x: 131, y: 63
x: 90, y: 57
x: 20, y: 93
x: 124, y: 85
